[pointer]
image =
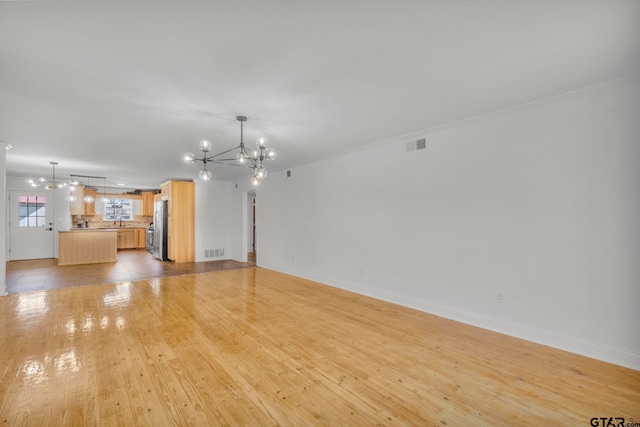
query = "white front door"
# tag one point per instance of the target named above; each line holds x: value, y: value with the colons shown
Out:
x: 31, y: 224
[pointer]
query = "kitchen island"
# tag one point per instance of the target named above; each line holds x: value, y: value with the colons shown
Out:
x: 87, y: 246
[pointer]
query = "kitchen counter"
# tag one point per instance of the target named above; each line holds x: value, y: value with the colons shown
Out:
x: 87, y: 246
x: 80, y: 230
x: 132, y: 227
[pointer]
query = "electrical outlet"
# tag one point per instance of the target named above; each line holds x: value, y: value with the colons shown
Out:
x: 500, y: 297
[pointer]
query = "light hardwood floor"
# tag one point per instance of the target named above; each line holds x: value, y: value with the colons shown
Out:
x: 255, y: 347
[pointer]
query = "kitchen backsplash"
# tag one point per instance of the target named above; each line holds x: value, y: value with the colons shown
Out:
x: 96, y: 221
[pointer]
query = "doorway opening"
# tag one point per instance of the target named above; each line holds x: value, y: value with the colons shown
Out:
x: 252, y: 235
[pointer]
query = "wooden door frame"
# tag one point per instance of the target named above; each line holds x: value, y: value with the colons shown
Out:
x: 253, y: 223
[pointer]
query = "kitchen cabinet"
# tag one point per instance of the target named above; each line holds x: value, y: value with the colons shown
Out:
x: 90, y: 207
x: 146, y: 201
x: 132, y: 238
x: 141, y: 237
x: 180, y: 196
x: 78, y: 206
x: 127, y: 238
x: 165, y: 192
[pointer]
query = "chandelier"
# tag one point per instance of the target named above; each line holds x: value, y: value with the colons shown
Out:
x: 50, y: 184
x: 252, y: 159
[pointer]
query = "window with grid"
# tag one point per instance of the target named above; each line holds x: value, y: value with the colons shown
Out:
x: 32, y: 211
x: 118, y: 209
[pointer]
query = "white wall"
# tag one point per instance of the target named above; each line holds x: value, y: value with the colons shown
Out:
x: 540, y: 203
x: 214, y: 212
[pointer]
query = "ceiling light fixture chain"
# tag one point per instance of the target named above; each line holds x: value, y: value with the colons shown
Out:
x: 244, y: 158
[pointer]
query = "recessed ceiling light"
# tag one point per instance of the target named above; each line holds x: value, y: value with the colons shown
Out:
x: 121, y: 184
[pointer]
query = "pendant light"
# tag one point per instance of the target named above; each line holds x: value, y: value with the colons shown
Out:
x: 88, y: 198
x: 105, y: 199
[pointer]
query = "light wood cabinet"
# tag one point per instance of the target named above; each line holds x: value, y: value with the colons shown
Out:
x: 146, y: 208
x: 78, y: 206
x: 165, y: 192
x: 127, y: 238
x: 180, y: 196
x: 90, y: 207
x: 132, y: 238
x: 141, y: 237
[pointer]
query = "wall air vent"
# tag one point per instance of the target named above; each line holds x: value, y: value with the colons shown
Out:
x: 419, y: 144
x: 213, y: 253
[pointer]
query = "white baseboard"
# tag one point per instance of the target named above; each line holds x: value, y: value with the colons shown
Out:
x: 605, y: 353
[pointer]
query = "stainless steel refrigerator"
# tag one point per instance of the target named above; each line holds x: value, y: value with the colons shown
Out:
x: 160, y: 234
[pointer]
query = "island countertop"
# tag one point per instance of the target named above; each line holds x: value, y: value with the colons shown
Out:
x: 80, y: 230
x: 87, y: 246
x: 114, y: 228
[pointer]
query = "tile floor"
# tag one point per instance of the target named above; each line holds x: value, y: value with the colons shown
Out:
x: 132, y: 264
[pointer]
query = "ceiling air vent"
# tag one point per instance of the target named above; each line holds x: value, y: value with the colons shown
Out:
x: 419, y: 144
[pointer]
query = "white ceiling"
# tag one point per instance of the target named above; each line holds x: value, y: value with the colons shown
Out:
x: 123, y: 89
